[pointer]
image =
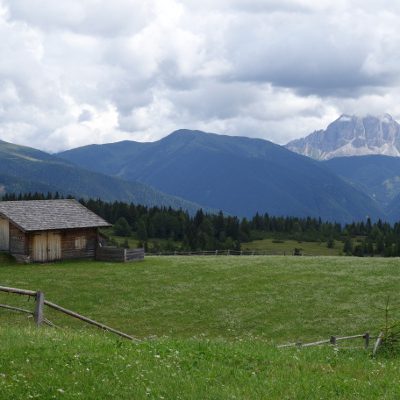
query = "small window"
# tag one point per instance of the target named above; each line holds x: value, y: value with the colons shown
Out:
x: 80, y: 242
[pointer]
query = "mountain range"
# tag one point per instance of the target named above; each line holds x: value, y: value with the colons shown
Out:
x: 238, y: 175
x: 351, y: 135
x: 24, y: 169
x: 377, y: 176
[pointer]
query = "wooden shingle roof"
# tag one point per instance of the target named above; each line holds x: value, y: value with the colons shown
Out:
x: 43, y: 215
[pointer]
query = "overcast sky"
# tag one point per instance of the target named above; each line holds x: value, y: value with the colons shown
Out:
x: 74, y: 72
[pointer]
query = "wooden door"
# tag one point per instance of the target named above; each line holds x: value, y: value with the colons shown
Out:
x: 46, y: 247
x: 53, y: 246
x: 4, y: 235
x: 39, y: 252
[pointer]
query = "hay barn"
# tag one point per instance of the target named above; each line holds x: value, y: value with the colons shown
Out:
x: 48, y: 230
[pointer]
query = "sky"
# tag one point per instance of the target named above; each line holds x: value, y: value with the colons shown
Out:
x: 76, y: 72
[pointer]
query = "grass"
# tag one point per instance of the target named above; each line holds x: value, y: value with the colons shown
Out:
x: 268, y: 245
x: 274, y: 246
x: 66, y: 365
x: 209, y: 327
x: 274, y: 298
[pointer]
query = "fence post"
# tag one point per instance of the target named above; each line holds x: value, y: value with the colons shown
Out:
x: 125, y: 258
x: 228, y: 253
x: 332, y: 340
x: 366, y: 337
x: 38, y: 314
x: 377, y: 343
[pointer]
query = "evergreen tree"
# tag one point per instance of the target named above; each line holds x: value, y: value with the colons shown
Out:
x: 122, y: 228
x: 348, y: 246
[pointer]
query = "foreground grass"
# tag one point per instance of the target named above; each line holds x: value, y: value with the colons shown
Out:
x: 209, y: 326
x: 51, y: 364
x: 274, y: 299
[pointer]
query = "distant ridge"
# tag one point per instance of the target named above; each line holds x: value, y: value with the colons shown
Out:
x: 24, y: 169
x: 238, y: 175
x: 351, y: 135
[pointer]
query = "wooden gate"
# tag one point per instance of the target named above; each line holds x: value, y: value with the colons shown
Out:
x: 4, y: 234
x: 46, y: 247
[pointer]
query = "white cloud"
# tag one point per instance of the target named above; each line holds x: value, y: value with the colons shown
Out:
x: 84, y: 71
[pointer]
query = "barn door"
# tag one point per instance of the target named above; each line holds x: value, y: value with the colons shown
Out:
x: 46, y: 247
x: 40, y: 247
x: 53, y: 246
x: 4, y: 234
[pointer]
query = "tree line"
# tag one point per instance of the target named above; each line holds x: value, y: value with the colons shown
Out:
x: 182, y: 231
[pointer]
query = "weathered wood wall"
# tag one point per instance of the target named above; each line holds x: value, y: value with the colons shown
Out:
x: 52, y: 245
x: 18, y: 241
x: 134, y: 254
x: 75, y: 243
x: 79, y: 243
x: 4, y: 234
x: 108, y: 253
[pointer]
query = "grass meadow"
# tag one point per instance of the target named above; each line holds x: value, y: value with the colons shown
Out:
x: 208, y: 327
x: 287, y: 247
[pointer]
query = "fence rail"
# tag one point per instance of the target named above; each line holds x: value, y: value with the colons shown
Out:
x: 227, y: 253
x: 38, y: 314
x: 333, y: 340
x: 109, y: 253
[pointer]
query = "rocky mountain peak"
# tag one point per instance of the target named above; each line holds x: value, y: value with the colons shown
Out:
x: 352, y: 135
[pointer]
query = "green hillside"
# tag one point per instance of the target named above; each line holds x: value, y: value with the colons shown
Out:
x: 23, y: 169
x: 239, y: 175
x: 208, y: 326
x: 378, y: 176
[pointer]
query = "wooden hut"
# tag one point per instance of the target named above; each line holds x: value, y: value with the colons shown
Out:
x: 48, y: 230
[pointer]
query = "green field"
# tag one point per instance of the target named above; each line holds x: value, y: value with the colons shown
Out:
x: 269, y: 245
x: 286, y: 246
x: 209, y: 328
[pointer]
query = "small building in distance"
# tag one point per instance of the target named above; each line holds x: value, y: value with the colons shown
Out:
x: 48, y: 230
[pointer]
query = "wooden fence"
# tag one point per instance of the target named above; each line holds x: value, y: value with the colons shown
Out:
x: 334, y: 340
x: 226, y: 253
x: 38, y: 313
x: 108, y: 253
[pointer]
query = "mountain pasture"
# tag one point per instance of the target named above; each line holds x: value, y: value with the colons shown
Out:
x: 209, y: 328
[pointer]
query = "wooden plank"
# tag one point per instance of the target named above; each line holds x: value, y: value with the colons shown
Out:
x: 88, y: 320
x: 11, y: 308
x: 349, y: 337
x: 316, y: 343
x: 17, y: 291
x: 16, y: 309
